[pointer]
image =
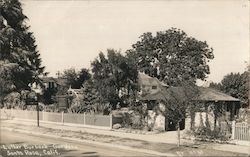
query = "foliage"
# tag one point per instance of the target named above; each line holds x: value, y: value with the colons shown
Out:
x: 132, y: 119
x: 48, y: 94
x: 139, y: 114
x: 20, y: 62
x: 91, y: 97
x: 89, y: 93
x: 18, y: 45
x: 115, y: 78
x: 180, y: 101
x: 206, y: 133
x: 74, y: 78
x: 234, y: 84
x: 171, y: 56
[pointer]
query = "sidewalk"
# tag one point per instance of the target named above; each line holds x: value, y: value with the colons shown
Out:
x: 166, y: 137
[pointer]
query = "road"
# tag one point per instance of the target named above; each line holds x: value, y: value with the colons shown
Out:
x: 16, y: 144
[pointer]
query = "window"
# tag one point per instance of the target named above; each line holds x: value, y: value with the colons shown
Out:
x: 154, y: 87
x: 51, y: 85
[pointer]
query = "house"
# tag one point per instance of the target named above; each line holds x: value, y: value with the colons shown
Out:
x: 212, y: 100
x: 155, y: 95
x: 48, y: 83
x: 149, y: 84
x: 151, y: 95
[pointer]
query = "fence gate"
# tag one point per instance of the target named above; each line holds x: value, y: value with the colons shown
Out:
x: 241, y: 131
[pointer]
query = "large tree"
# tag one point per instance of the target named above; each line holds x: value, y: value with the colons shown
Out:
x: 172, y: 56
x: 115, y: 77
x: 235, y: 84
x: 177, y: 60
x: 20, y: 62
x: 75, y: 78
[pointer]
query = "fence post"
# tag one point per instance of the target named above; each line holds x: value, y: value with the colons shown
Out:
x: 233, y: 130
x: 84, y: 118
x: 62, y: 117
x: 11, y: 113
x: 43, y: 115
x: 111, y: 121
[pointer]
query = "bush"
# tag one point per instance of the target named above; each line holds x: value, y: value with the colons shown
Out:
x: 131, y: 119
x: 126, y: 120
x: 137, y: 122
x: 206, y: 133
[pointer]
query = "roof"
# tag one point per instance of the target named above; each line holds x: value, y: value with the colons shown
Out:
x: 165, y: 94
x: 144, y: 79
x: 48, y: 79
x: 154, y: 96
x: 210, y: 94
x: 59, y: 81
x: 205, y: 94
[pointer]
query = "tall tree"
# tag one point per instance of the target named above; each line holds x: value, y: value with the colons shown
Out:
x: 115, y: 77
x: 172, y: 56
x: 19, y: 57
x: 75, y: 78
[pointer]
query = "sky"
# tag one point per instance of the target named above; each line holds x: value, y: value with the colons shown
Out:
x: 71, y: 33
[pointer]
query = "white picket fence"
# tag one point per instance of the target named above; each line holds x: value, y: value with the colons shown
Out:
x: 101, y: 121
x: 241, y: 131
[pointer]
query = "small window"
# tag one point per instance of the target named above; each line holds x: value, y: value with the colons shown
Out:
x: 51, y: 85
x: 154, y: 87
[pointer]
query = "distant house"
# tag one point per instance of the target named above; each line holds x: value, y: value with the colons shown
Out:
x: 48, y: 83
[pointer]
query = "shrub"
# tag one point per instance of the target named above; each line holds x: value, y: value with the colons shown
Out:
x: 206, y: 133
x: 137, y: 122
x: 126, y: 120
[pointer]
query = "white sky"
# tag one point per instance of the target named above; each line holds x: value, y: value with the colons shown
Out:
x: 72, y: 33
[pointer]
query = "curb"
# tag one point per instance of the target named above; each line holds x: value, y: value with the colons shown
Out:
x: 92, y: 142
x: 15, y: 121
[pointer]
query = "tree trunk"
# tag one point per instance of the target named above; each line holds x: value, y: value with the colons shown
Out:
x: 178, y: 134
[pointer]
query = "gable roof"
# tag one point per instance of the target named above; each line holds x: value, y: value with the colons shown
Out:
x: 145, y: 79
x: 210, y: 94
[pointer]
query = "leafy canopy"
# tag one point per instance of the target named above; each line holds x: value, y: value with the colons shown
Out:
x: 74, y: 78
x: 171, y: 56
x: 234, y: 84
x: 115, y: 77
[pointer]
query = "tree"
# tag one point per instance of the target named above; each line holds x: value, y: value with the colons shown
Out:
x: 171, y: 56
x: 235, y: 84
x: 115, y: 77
x: 19, y: 58
x: 90, y: 96
x: 176, y: 59
x: 180, y: 102
x: 74, y: 78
